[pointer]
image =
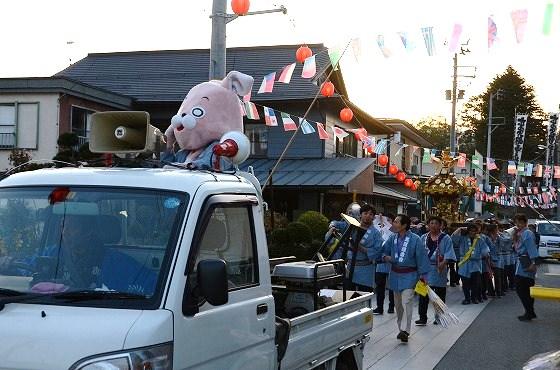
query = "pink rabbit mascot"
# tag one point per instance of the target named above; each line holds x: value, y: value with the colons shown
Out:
x: 208, y: 128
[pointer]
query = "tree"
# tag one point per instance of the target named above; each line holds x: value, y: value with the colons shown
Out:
x: 518, y: 96
x: 436, y: 130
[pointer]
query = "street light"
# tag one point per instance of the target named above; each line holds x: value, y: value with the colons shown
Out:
x: 218, y: 43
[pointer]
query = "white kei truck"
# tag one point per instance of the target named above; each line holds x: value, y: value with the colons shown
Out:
x: 160, y: 268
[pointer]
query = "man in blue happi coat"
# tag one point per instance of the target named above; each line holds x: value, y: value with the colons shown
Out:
x: 440, y: 251
x: 367, y: 251
x: 471, y: 248
x: 409, y: 262
x: 526, y: 268
x: 385, y: 226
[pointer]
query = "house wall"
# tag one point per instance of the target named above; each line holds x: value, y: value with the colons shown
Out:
x: 66, y: 103
x: 46, y: 130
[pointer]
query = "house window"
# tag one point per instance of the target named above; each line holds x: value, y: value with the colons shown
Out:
x: 258, y: 137
x: 81, y: 123
x: 348, y: 147
x: 7, y: 126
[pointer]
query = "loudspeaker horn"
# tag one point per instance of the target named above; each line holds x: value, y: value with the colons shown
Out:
x: 123, y: 132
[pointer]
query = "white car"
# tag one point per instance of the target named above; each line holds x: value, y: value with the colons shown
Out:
x: 549, y: 244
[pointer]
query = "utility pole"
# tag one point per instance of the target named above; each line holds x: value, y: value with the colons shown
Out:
x: 218, y: 43
x: 452, y: 139
x: 453, y: 96
x: 489, y: 140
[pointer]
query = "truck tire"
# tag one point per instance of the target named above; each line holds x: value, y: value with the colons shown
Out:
x: 345, y: 361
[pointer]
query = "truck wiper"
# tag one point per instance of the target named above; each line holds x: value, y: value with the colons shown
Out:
x: 10, y: 293
x: 13, y: 296
x: 88, y: 295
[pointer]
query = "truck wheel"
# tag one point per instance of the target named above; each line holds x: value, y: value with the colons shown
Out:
x: 345, y: 361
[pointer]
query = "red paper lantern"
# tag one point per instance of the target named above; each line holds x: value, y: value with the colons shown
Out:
x: 346, y: 115
x: 382, y: 160
x: 327, y: 89
x: 401, y: 176
x: 240, y: 7
x: 302, y: 53
x: 408, y: 183
x: 414, y: 187
x: 393, y: 169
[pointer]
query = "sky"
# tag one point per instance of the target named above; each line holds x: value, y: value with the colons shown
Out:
x: 42, y: 37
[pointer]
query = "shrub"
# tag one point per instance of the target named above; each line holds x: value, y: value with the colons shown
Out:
x: 318, y: 223
x: 299, y: 233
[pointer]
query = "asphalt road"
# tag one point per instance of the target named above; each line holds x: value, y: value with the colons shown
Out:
x: 498, y: 340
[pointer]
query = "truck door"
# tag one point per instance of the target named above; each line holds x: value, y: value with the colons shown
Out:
x: 239, y: 334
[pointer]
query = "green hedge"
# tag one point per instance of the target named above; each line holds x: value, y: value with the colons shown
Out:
x: 318, y: 223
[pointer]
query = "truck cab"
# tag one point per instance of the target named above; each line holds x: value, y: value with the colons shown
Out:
x: 162, y: 268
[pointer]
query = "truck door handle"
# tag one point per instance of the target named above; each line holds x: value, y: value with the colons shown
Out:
x: 262, y: 309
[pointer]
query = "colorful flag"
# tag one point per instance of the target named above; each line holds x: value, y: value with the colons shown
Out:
x: 538, y: 171
x: 357, y: 48
x: 529, y: 190
x: 267, y: 83
x: 334, y: 56
x: 247, y: 97
x: 547, y: 171
x: 548, y: 11
x: 455, y: 36
x: 557, y: 172
x: 368, y: 143
x: 381, y: 43
x: 476, y: 161
x: 521, y: 168
x: 306, y: 127
x: 529, y: 169
x: 381, y: 146
x: 521, y: 190
x: 286, y: 74
x: 490, y: 164
x: 309, y: 67
x: 323, y: 135
x: 512, y: 168
x: 251, y: 110
x: 359, y: 133
x: 428, y: 34
x: 407, y: 43
x: 426, y: 158
x: 289, y: 124
x: 270, y: 117
x: 462, y: 161
x: 519, y: 19
x: 242, y: 109
x: 492, y: 32
x: 339, y: 133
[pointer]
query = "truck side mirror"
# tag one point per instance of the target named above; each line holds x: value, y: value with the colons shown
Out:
x: 212, y: 281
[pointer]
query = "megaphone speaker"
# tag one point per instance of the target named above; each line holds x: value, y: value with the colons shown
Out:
x: 123, y: 132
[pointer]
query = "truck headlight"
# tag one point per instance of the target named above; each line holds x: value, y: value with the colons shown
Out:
x: 542, y: 244
x: 159, y: 357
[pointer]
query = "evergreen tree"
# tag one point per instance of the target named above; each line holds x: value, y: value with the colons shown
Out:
x: 518, y: 97
x: 436, y: 130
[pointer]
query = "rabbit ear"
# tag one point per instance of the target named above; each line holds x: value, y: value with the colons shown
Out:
x: 238, y: 82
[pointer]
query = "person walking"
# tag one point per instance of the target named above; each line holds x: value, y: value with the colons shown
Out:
x: 471, y: 249
x: 367, y: 251
x: 526, y: 268
x: 439, y: 247
x: 384, y: 225
x: 409, y: 261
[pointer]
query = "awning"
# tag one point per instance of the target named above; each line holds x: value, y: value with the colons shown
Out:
x: 390, y: 193
x: 325, y: 172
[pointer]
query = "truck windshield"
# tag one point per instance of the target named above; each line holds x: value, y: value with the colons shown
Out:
x: 549, y: 229
x: 56, y: 240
